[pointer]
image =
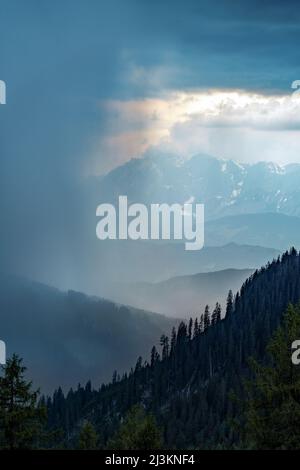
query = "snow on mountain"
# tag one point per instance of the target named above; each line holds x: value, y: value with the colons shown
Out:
x: 225, y: 187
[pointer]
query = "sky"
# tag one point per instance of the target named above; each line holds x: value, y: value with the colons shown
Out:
x: 242, y: 125
x: 92, y: 84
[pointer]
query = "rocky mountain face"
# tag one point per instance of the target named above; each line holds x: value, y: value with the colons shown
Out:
x: 224, y: 186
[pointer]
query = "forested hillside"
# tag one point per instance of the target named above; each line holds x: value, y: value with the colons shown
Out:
x: 68, y: 337
x: 189, y: 385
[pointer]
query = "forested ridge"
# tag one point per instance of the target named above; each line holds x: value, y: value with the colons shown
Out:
x: 194, y: 384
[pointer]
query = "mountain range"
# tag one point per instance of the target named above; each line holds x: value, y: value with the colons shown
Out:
x: 224, y: 186
x: 251, y: 214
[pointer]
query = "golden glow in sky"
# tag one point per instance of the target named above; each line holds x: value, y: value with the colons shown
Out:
x: 231, y: 124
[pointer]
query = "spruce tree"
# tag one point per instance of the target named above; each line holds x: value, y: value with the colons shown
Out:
x: 138, y: 431
x: 173, y: 340
x: 154, y: 356
x: 196, y: 328
x: 216, y: 315
x: 190, y: 329
x: 206, y: 318
x: 201, y: 324
x: 88, y: 437
x: 164, y: 342
x: 21, y: 417
x: 229, y: 303
x: 273, y: 406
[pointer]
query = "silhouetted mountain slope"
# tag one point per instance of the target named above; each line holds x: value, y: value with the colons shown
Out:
x: 189, y: 388
x: 182, y: 296
x: 66, y: 338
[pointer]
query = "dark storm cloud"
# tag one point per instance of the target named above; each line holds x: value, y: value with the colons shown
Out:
x: 60, y: 58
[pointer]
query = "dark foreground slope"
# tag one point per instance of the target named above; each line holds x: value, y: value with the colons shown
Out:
x: 189, y: 386
x: 66, y: 338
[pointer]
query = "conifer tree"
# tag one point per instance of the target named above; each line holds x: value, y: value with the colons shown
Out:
x: 206, y: 318
x: 201, y: 324
x: 138, y: 365
x: 173, y: 340
x: 196, y: 328
x: 88, y: 437
x: 229, y: 303
x: 21, y: 417
x: 164, y: 342
x: 216, y: 315
x: 273, y: 407
x: 190, y: 328
x: 137, y: 432
x: 154, y: 356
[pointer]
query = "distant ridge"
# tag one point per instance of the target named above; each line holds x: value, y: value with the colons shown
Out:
x: 183, y: 296
x: 68, y: 337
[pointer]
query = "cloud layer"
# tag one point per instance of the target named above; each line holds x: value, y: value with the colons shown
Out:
x: 234, y: 124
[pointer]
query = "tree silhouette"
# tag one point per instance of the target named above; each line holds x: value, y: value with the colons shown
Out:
x: 21, y: 418
x: 88, y: 437
x: 273, y: 407
x: 137, y: 432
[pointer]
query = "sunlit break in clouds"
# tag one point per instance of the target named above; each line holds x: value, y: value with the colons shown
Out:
x: 235, y: 124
